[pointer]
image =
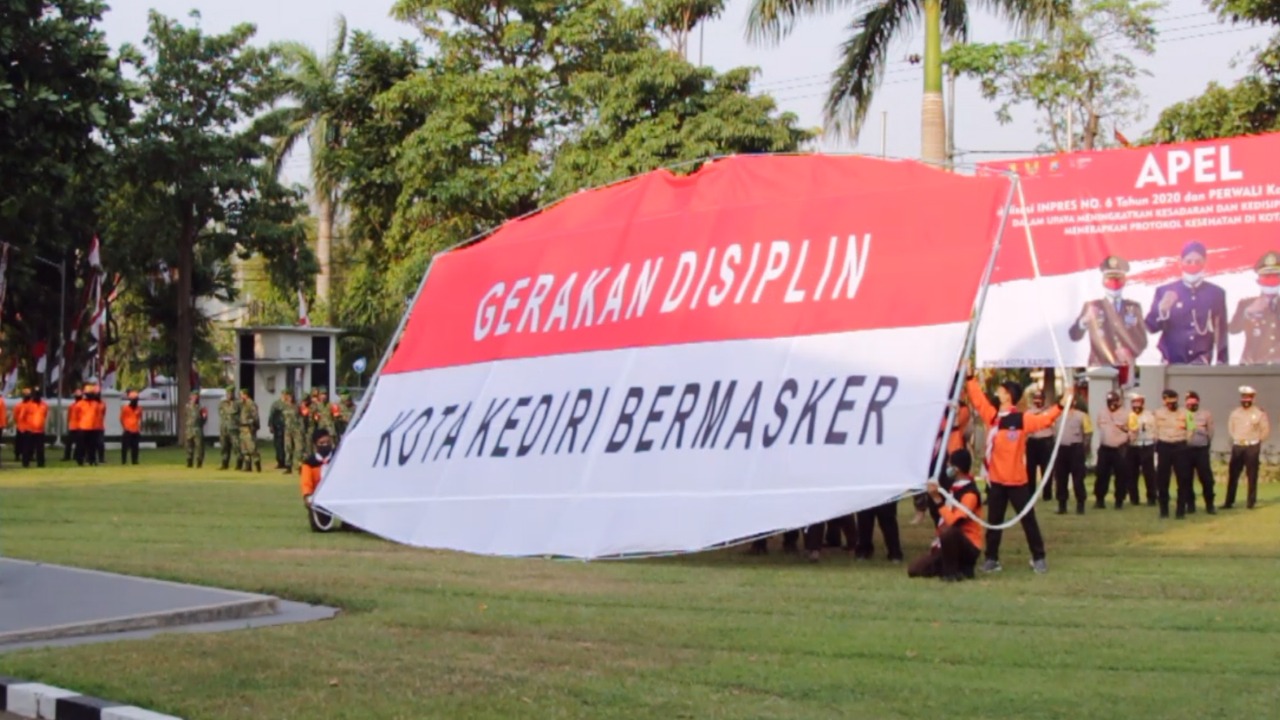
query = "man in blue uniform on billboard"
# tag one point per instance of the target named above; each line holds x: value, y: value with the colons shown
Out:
x: 1112, y: 323
x: 1259, y: 317
x: 1190, y: 314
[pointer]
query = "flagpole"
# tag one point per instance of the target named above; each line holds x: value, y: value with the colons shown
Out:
x: 61, y: 267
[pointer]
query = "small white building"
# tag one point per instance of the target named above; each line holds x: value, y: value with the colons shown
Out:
x: 273, y: 358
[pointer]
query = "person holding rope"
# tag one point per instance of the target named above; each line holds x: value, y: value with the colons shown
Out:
x: 955, y: 552
x: 1006, y: 464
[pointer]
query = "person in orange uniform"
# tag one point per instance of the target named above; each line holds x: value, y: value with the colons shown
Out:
x: 955, y: 552
x: 93, y: 424
x: 4, y: 417
x: 312, y: 469
x: 73, y: 411
x: 20, y: 412
x: 77, y: 423
x: 36, y: 419
x: 1006, y: 464
x: 131, y: 423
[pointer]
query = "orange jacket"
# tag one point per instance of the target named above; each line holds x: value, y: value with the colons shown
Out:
x: 75, y: 416
x: 4, y: 416
x: 97, y: 416
x: 20, y: 416
x: 310, y: 475
x: 966, y: 493
x: 131, y: 418
x: 956, y: 440
x: 37, y: 416
x: 1006, y: 457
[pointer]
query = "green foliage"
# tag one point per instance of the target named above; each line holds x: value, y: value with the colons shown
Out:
x: 1081, y: 68
x: 1251, y: 105
x: 63, y: 102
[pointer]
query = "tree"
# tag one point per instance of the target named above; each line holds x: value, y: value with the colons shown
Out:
x: 63, y: 104
x: 1251, y: 105
x: 865, y: 53
x: 1078, y: 78
x: 314, y: 83
x: 674, y: 20
x: 195, y: 185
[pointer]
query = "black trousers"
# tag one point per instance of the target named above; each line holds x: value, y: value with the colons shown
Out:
x: 1243, y: 457
x: 1171, y: 461
x: 1070, y: 464
x: 819, y: 534
x: 887, y: 516
x: 87, y: 447
x: 19, y: 445
x: 1113, y: 461
x: 956, y: 556
x: 33, y: 449
x: 129, y: 448
x: 69, y: 448
x: 1038, y: 452
x: 1199, y: 466
x: 999, y: 498
x: 1142, y: 461
x: 277, y: 438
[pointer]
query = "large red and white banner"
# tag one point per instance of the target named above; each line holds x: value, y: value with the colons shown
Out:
x: 1155, y: 255
x: 671, y: 363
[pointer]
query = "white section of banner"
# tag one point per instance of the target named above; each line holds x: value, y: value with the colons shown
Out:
x: 1011, y: 331
x: 484, y: 497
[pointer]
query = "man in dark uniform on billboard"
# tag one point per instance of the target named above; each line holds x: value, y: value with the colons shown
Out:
x: 1113, y: 324
x: 1190, y: 314
x: 1259, y: 317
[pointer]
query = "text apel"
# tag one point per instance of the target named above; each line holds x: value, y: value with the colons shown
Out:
x: 1209, y: 164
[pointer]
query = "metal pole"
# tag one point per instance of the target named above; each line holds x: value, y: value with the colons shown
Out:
x: 702, y: 34
x: 62, y: 351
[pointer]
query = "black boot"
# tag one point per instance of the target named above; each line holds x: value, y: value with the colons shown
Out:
x: 189, y: 462
x: 257, y: 465
x: 225, y: 463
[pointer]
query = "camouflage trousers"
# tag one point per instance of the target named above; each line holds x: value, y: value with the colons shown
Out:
x: 293, y: 447
x: 195, y: 449
x: 227, y: 441
x: 248, y: 445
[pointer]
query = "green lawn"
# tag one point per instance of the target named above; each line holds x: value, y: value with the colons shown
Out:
x: 1138, y: 618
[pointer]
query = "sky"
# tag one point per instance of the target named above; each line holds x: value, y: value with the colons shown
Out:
x: 1193, y: 49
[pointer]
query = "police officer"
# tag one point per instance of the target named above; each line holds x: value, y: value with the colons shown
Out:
x: 1190, y: 314
x: 1171, y: 453
x: 1142, y: 449
x: 1113, y: 453
x: 229, y: 428
x: 1258, y: 318
x: 1077, y: 433
x: 1112, y: 323
x: 1249, y: 428
x: 1040, y: 449
x: 1200, y: 437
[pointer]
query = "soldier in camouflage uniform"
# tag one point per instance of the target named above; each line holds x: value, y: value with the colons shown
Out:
x: 194, y: 440
x: 293, y: 442
x: 275, y: 423
x: 249, y: 422
x: 346, y: 410
x: 325, y: 415
x: 228, y: 427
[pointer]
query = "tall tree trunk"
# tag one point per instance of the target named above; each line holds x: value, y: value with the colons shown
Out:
x: 933, y: 117
x: 324, y: 250
x: 186, y: 324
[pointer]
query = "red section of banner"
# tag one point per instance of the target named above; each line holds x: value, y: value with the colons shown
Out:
x: 747, y: 247
x: 1147, y: 204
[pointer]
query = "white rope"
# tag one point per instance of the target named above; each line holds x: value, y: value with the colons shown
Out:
x: 1069, y: 396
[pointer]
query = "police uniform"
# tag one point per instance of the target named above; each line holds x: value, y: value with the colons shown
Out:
x: 1249, y: 427
x: 1113, y: 453
x: 1194, y: 330
x: 1114, y: 326
x: 1199, y: 465
x: 1258, y: 318
x: 1142, y: 451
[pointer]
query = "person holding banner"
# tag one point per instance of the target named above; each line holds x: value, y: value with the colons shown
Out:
x: 1258, y: 318
x: 1113, y: 324
x: 1249, y: 427
x: 1190, y: 314
x: 1006, y: 463
x: 955, y: 552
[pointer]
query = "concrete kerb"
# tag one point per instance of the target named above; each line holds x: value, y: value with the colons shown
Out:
x: 45, y: 702
x: 235, y: 610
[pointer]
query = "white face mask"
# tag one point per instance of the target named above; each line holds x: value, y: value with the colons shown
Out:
x: 1275, y: 290
x: 1191, y: 279
x: 1114, y: 295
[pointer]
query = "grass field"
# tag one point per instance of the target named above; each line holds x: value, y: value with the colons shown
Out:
x: 1137, y: 618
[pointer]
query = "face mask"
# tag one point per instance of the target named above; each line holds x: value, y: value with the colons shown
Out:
x: 324, y: 450
x: 951, y: 472
x: 1192, y: 278
x: 133, y: 403
x: 1246, y: 403
x: 1270, y: 289
x: 1172, y: 404
x: 1193, y: 406
x: 1113, y: 284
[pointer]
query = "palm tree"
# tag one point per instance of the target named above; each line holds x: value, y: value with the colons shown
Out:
x: 314, y: 82
x: 878, y: 24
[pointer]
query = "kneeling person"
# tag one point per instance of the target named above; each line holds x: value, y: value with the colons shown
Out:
x: 312, y: 467
x: 954, y: 554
